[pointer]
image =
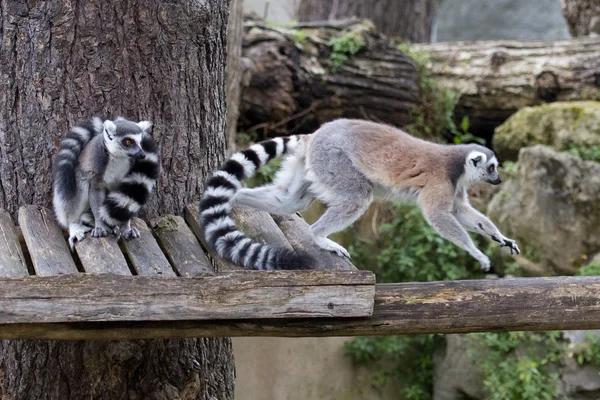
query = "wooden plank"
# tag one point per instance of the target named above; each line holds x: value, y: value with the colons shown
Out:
x: 12, y: 260
x: 523, y: 304
x: 102, y: 255
x: 181, y: 246
x: 192, y: 217
x: 145, y: 254
x: 296, y: 230
x: 249, y: 294
x: 45, y: 241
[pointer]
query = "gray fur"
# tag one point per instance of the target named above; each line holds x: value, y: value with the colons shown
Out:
x: 98, y: 166
x: 349, y: 162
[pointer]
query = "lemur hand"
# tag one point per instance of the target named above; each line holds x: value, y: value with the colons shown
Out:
x: 511, y: 244
x: 485, y: 263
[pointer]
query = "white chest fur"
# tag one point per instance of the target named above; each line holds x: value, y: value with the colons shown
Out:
x: 115, y: 171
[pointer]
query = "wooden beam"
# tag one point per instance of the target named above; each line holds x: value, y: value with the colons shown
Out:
x: 145, y: 254
x: 235, y: 295
x: 47, y: 246
x: 12, y: 260
x: 524, y: 304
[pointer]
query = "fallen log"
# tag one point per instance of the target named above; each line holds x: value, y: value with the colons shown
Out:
x: 496, y: 78
x: 294, y: 79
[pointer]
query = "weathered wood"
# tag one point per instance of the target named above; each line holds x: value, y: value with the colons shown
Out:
x: 259, y: 226
x: 524, y: 304
x: 102, y: 255
x: 181, y: 246
x: 145, y: 254
x: 12, y: 260
x: 192, y: 217
x: 291, y: 84
x: 296, y: 230
x: 496, y: 78
x: 250, y: 294
x: 45, y: 241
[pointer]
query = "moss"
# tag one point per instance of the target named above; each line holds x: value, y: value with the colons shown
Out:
x: 560, y: 125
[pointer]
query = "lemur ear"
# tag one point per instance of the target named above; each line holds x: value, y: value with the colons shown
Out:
x: 110, y: 129
x: 145, y: 125
x: 476, y: 160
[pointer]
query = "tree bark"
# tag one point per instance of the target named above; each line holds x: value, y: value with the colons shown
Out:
x: 583, y: 16
x: 235, y: 30
x: 62, y: 62
x: 292, y: 86
x: 407, y: 20
x: 496, y: 78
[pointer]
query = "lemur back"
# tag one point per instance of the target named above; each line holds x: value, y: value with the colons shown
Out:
x: 346, y: 164
x: 100, y: 184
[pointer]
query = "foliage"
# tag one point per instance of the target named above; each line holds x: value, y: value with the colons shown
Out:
x: 410, y: 251
x: 519, y: 365
x: 397, y: 357
x: 343, y: 47
x: 588, y: 352
x: 300, y: 37
x: 591, y: 153
x: 591, y: 269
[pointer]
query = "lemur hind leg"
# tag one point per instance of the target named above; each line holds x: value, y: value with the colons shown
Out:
x: 129, y: 232
x: 288, y: 193
x: 346, y: 192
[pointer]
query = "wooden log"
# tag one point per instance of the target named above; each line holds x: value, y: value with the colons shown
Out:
x: 296, y: 230
x: 102, y: 255
x: 12, y: 260
x: 145, y: 254
x: 496, y: 78
x: 45, y: 241
x: 249, y: 294
x: 524, y: 304
x: 181, y: 246
x: 291, y: 84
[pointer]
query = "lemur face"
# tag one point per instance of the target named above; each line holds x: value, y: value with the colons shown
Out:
x: 124, y: 138
x: 481, y: 169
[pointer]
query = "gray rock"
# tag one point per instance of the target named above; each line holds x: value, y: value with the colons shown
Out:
x: 552, y: 207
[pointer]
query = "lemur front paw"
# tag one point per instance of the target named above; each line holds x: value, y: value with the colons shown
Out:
x: 130, y: 233
x: 99, y: 232
x: 511, y: 244
x: 330, y: 245
x: 485, y: 263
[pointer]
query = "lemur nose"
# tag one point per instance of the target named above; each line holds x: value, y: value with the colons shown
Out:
x: 141, y: 156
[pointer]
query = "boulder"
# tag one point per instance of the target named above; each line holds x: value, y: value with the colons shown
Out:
x: 551, y: 207
x: 558, y: 125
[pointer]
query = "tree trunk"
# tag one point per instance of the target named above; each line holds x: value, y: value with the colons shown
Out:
x: 293, y: 86
x: 61, y: 62
x: 496, y: 78
x: 407, y: 20
x: 583, y: 16
x: 235, y: 31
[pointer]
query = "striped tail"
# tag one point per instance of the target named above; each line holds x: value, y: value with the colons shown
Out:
x: 124, y: 202
x: 65, y: 164
x: 219, y: 228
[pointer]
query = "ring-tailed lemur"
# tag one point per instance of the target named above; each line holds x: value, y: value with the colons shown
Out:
x: 104, y: 173
x: 346, y: 164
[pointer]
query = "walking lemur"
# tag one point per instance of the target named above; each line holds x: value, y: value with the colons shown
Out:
x: 346, y: 164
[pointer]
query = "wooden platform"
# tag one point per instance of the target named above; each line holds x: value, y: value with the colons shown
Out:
x: 163, y: 276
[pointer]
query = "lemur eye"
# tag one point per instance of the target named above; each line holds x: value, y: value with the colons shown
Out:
x: 127, y: 142
x: 491, y: 168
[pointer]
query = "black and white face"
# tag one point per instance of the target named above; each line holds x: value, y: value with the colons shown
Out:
x: 481, y: 169
x: 124, y: 138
